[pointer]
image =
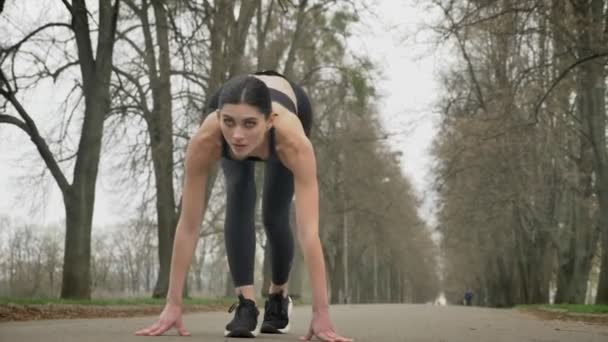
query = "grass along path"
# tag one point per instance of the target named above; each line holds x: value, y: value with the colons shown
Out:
x: 597, y: 314
x: 26, y: 309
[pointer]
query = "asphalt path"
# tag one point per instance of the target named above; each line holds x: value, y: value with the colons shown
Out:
x: 378, y: 322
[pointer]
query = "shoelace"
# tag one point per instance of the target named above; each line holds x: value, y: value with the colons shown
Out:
x: 274, y: 309
x: 239, y: 307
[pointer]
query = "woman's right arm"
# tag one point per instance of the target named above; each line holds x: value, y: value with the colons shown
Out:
x: 203, y: 150
x: 186, y: 234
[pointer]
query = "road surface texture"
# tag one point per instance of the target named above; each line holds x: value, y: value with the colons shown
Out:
x: 365, y: 323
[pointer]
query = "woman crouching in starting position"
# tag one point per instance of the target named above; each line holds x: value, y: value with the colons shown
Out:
x: 260, y: 117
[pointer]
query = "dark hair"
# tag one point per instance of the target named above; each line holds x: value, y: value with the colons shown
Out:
x: 246, y: 89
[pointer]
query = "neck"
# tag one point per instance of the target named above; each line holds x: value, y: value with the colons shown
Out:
x: 263, y: 150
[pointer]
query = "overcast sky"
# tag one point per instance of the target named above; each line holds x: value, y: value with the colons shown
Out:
x: 408, y: 87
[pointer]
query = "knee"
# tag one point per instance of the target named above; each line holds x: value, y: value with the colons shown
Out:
x: 269, y: 221
x: 275, y: 222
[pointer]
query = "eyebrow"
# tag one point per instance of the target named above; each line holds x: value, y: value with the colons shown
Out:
x: 245, y: 119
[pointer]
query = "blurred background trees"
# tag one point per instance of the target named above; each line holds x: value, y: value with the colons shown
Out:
x: 520, y: 173
x: 522, y: 151
x: 165, y: 59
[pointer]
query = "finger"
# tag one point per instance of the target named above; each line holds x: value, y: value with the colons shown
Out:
x: 160, y: 330
x: 146, y: 331
x: 326, y: 336
x: 141, y: 332
x: 308, y: 336
x: 181, y: 330
x: 343, y: 339
x: 338, y: 338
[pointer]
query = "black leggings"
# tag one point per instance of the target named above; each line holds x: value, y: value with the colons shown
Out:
x: 239, y: 228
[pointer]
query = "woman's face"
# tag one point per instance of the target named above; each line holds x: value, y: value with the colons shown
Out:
x: 243, y: 127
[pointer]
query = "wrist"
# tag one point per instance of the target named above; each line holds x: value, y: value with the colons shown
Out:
x: 174, y: 301
x: 317, y: 309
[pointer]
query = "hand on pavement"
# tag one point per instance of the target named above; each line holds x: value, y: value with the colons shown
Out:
x: 169, y: 318
x: 321, y: 327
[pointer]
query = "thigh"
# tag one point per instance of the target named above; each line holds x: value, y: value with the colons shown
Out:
x: 278, y: 191
x: 238, y: 173
x: 240, y: 190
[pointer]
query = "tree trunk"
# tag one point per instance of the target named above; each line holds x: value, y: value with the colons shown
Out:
x: 574, y: 257
x: 76, y: 267
x: 575, y: 263
x: 345, y: 268
x: 218, y: 26
x: 375, y: 279
x: 295, y: 42
x: 79, y: 199
x: 336, y: 281
x: 531, y: 251
x: 591, y: 89
x: 262, y: 28
x: 160, y: 129
x: 238, y: 37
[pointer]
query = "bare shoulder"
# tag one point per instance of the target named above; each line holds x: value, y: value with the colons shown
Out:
x: 205, y: 145
x: 292, y: 144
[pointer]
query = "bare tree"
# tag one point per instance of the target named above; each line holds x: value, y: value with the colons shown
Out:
x: 591, y: 91
x: 516, y: 104
x: 79, y: 196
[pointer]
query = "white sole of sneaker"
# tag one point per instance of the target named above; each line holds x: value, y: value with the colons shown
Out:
x: 254, y: 333
x: 289, y: 309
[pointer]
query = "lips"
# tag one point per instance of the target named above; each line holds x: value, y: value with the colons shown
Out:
x: 239, y: 146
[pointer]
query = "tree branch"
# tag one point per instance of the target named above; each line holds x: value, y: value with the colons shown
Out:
x: 40, y: 143
x: 31, y: 34
x: 142, y: 93
x: 61, y: 69
x: 465, y: 55
x: 14, y: 121
x: 68, y: 6
x: 565, y: 73
x: 192, y: 76
x: 140, y: 52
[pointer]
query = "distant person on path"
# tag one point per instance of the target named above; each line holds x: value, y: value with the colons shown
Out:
x: 259, y: 117
x: 468, y: 297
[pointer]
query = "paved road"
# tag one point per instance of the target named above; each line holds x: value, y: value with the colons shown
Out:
x: 366, y: 323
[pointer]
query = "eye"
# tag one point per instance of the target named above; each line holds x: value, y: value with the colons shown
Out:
x: 250, y: 124
x: 228, y: 122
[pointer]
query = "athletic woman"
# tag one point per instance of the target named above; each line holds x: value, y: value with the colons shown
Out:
x: 260, y: 117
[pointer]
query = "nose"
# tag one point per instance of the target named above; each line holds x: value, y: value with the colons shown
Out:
x: 237, y: 134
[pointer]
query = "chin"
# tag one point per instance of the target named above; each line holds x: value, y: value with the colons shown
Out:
x: 239, y: 155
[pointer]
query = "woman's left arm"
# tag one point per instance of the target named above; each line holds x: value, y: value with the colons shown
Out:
x: 304, y: 168
x: 307, y: 218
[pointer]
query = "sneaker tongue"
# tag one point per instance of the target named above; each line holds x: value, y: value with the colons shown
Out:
x: 243, y: 300
x: 276, y: 295
x: 273, y: 308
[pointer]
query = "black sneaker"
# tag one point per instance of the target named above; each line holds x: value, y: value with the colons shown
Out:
x: 276, y: 314
x: 245, y: 321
